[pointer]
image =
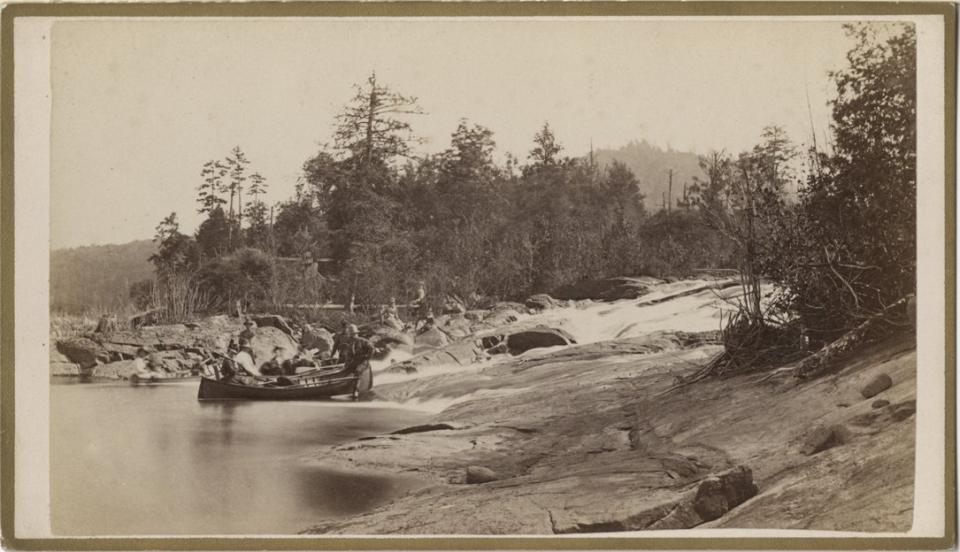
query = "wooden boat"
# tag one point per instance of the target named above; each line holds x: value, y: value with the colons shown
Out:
x: 158, y: 378
x: 311, y: 386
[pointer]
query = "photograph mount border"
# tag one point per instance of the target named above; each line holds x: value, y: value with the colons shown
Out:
x: 458, y: 9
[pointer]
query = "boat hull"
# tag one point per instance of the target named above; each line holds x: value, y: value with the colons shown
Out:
x: 304, y: 389
x: 136, y: 379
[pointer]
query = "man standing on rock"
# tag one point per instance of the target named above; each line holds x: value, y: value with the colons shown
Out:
x: 355, y: 350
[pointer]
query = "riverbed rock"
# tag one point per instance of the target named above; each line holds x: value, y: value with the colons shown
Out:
x: 535, y: 338
x: 880, y: 403
x: 121, y: 369
x: 432, y: 338
x: 476, y: 315
x: 876, y: 386
x: 474, y: 475
x: 456, y: 326
x: 65, y: 369
x: 606, y: 289
x: 83, y: 351
x: 824, y: 438
x: 720, y: 493
x: 540, y: 301
x: 314, y: 337
x: 502, y: 317
x: 265, y: 339
x: 390, y: 338
x: 639, y: 459
x: 272, y: 321
x: 904, y: 410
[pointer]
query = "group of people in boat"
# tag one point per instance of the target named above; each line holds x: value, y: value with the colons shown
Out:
x: 349, y: 349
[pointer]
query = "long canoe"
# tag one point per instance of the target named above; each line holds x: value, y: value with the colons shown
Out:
x: 316, y: 385
x: 154, y: 379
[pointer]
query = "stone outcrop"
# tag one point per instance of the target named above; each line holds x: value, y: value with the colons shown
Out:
x: 592, y: 438
x: 265, y: 339
x: 433, y: 337
x: 540, y: 302
x: 272, y: 321
x: 318, y: 338
x: 534, y: 338
x: 83, y: 351
x: 824, y: 438
x: 172, y: 347
x: 474, y: 475
x: 607, y: 289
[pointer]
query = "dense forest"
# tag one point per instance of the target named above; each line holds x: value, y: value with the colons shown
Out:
x: 832, y: 224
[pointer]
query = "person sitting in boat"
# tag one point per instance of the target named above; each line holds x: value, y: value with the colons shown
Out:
x: 302, y: 359
x: 355, y: 350
x: 247, y: 332
x: 142, y: 366
x: 274, y: 366
x: 245, y: 359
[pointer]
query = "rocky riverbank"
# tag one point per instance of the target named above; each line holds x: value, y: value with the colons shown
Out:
x: 594, y: 436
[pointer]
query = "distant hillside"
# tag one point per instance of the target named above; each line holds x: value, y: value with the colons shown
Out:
x: 651, y: 165
x: 97, y: 276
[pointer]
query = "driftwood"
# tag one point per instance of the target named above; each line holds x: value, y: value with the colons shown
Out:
x: 812, y: 366
x: 821, y: 362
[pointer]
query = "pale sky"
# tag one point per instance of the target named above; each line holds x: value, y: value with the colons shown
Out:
x: 140, y: 105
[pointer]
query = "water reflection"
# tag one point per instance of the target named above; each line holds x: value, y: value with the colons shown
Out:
x: 132, y: 461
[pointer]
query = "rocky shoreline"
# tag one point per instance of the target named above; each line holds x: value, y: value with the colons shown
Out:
x: 597, y: 438
x: 564, y: 416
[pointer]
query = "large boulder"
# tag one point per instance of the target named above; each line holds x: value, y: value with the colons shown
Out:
x: 476, y: 315
x: 265, y: 339
x: 83, y: 351
x: 717, y: 495
x: 540, y: 301
x: 120, y: 351
x: 455, y: 326
x: 60, y: 365
x: 272, y: 321
x: 606, y: 289
x: 876, y: 386
x: 433, y: 337
x: 824, y: 438
x: 316, y: 338
x: 122, y: 369
x: 501, y: 317
x: 388, y: 336
x: 535, y: 338
x: 475, y: 475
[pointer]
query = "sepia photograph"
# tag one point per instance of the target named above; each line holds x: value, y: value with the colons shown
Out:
x: 439, y: 276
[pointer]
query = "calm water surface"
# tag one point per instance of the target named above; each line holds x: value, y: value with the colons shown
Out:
x: 130, y: 460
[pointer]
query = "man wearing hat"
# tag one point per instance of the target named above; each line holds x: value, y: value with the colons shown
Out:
x: 247, y: 332
x: 354, y: 350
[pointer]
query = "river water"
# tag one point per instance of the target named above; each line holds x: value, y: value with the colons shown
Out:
x: 154, y: 460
